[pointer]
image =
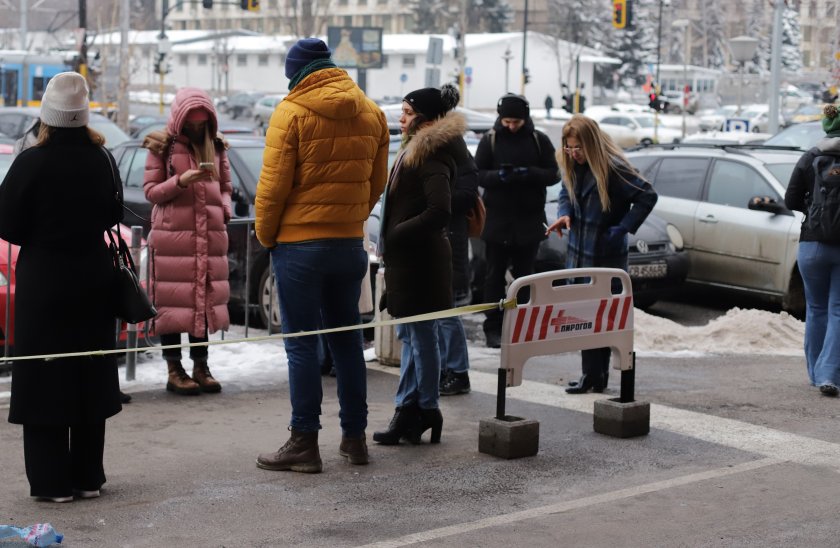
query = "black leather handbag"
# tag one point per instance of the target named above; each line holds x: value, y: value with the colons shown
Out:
x: 131, y: 303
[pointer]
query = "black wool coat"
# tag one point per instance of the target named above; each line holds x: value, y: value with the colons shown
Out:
x: 418, y: 204
x: 515, y: 204
x: 56, y: 203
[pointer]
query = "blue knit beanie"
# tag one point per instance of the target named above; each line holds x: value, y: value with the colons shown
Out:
x: 304, y: 52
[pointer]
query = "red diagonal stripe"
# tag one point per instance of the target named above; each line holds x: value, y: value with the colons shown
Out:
x: 598, y: 316
x: 517, y: 329
x: 613, y: 310
x: 535, y: 312
x: 545, y: 321
x: 628, y: 301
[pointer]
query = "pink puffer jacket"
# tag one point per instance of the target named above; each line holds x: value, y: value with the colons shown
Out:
x: 188, y: 240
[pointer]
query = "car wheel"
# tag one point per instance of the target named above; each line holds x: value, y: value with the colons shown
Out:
x: 265, y: 309
x: 646, y: 142
x: 794, y: 300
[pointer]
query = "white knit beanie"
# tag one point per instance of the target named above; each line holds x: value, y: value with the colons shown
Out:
x: 65, y: 101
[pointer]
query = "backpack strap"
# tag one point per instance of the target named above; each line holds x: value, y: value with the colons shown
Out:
x: 492, y: 134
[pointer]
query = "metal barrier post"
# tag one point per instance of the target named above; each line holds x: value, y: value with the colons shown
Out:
x: 501, y: 393
x: 628, y: 383
x: 131, y: 329
x: 8, y: 301
x: 247, y: 276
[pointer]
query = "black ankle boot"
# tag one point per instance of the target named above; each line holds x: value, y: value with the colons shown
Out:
x: 404, y: 424
x: 585, y: 384
x: 429, y: 418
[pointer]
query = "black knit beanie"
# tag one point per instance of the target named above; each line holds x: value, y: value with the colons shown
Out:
x: 433, y: 103
x: 513, y: 106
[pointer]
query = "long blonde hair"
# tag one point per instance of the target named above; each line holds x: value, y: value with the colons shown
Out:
x: 599, y: 151
x: 205, y: 151
x: 45, y: 134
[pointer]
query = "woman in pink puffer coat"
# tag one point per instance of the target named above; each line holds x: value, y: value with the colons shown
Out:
x: 189, y: 184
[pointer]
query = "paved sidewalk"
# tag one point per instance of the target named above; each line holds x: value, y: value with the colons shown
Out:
x: 747, y: 463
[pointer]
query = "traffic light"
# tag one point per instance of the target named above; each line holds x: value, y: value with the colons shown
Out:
x: 621, y: 13
x: 208, y: 4
x: 526, y: 76
x: 656, y: 103
x: 250, y: 5
x: 569, y: 103
x: 581, y: 103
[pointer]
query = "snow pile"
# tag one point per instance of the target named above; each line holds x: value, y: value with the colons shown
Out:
x: 737, y: 332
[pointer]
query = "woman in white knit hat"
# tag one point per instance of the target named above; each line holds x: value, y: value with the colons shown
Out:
x: 56, y: 201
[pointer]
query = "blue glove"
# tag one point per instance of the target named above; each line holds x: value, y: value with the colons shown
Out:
x: 614, y: 238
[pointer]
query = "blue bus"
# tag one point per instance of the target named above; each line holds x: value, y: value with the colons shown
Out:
x: 24, y: 76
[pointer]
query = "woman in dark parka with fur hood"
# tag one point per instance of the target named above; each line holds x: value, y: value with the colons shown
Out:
x: 417, y: 253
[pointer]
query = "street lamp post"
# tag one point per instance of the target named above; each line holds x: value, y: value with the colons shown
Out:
x: 507, y: 57
x: 684, y: 24
x: 743, y: 49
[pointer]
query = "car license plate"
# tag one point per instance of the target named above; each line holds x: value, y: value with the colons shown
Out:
x: 658, y: 270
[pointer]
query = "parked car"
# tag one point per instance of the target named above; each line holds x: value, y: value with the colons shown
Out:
x: 803, y: 136
x: 726, y: 138
x: 8, y: 284
x: 477, y: 122
x: 263, y: 109
x: 14, y: 121
x: 733, y: 240
x: 245, y: 154
x: 628, y: 129
x: 757, y: 117
x: 812, y: 112
x: 139, y: 122
x: 713, y: 119
x: 241, y: 105
x: 225, y: 128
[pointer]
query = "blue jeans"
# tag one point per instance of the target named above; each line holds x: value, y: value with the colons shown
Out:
x: 452, y: 344
x: 419, y: 365
x: 819, y: 265
x: 319, y: 284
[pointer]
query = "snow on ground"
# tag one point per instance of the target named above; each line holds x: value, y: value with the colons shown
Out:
x: 739, y: 331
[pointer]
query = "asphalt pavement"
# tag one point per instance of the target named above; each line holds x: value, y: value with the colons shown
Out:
x: 741, y: 452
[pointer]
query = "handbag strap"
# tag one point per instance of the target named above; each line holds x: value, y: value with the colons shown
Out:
x: 121, y: 249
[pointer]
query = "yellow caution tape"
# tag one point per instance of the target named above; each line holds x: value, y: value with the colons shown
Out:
x: 504, y: 304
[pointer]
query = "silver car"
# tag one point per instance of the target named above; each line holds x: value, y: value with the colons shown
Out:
x: 728, y: 204
x: 263, y: 109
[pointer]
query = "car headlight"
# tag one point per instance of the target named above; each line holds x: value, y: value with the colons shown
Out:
x: 3, y: 280
x: 675, y: 236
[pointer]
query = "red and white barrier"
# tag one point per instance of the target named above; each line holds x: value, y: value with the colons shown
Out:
x: 563, y: 317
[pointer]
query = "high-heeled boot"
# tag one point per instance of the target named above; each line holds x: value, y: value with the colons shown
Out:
x: 404, y: 423
x: 429, y: 418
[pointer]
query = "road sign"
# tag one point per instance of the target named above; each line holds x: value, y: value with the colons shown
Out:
x: 432, y: 77
x: 468, y: 71
x: 736, y: 124
x: 434, y: 55
x: 403, y: 77
x: 468, y: 79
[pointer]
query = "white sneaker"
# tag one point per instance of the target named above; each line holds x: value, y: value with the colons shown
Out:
x: 87, y: 494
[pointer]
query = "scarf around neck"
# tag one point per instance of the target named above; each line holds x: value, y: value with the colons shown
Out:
x: 317, y: 64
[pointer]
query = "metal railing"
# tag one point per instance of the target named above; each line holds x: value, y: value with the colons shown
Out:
x: 136, y: 248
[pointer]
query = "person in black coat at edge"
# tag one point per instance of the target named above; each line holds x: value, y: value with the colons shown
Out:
x: 414, y: 245
x: 56, y: 203
x: 452, y: 339
x: 516, y: 164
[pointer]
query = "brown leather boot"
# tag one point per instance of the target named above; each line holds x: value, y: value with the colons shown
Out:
x: 178, y: 381
x: 299, y: 454
x: 355, y: 449
x: 201, y: 375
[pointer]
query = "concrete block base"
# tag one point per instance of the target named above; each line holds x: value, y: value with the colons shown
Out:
x: 509, y: 438
x: 622, y: 420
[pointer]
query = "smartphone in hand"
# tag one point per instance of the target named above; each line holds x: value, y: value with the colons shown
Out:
x: 205, y: 166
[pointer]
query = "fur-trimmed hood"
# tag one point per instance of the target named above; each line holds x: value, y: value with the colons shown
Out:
x: 433, y: 137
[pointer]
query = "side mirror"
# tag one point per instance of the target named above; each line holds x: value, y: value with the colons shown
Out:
x: 241, y: 207
x: 768, y: 204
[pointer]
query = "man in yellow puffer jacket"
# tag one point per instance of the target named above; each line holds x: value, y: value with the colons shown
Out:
x: 324, y: 167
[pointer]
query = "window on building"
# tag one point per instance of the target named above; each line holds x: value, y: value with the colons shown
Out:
x: 202, y: 59
x: 348, y: 20
x: 408, y: 61
x: 386, y: 23
x: 262, y: 60
x: 342, y: 2
x: 367, y: 21
x: 183, y: 58
x: 385, y: 61
x: 362, y: 2
x: 241, y: 60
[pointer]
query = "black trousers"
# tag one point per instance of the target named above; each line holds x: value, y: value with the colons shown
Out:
x: 520, y: 259
x: 175, y: 353
x: 595, y: 363
x: 61, y: 459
